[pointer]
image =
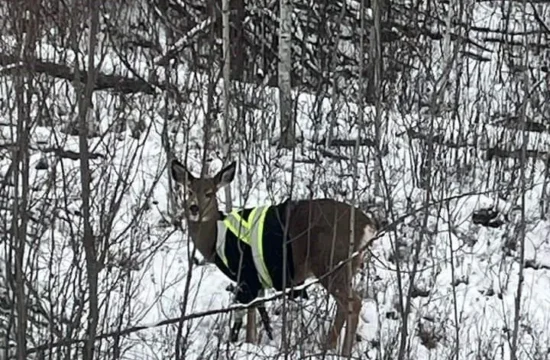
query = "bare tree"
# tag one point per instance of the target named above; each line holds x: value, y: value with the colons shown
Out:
x: 435, y: 105
x: 526, y: 89
x: 26, y: 25
x: 287, y: 122
x: 84, y: 95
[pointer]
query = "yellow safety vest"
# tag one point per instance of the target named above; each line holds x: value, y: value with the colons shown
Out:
x: 250, y: 231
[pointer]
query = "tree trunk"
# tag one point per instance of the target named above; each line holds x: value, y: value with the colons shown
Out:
x: 27, y: 21
x: 84, y: 109
x: 251, y: 333
x: 288, y: 136
x: 376, y: 56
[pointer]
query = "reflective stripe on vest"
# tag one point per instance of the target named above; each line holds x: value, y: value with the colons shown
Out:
x: 251, y: 232
x: 220, y: 242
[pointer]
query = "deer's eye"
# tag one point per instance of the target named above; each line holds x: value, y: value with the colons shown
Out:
x: 188, y: 193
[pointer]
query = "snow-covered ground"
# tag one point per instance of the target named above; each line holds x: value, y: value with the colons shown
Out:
x: 467, y: 280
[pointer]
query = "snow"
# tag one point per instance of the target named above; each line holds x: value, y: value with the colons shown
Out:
x: 466, y: 272
x: 161, y: 278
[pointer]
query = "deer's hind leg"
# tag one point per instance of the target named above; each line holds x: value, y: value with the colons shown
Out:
x: 348, y: 305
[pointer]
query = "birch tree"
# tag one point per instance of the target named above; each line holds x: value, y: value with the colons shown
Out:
x: 376, y: 56
x: 288, y: 137
x: 525, y: 82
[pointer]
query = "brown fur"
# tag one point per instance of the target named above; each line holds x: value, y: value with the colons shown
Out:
x: 320, y: 233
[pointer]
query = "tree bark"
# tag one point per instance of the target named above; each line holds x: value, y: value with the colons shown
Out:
x: 288, y: 136
x: 376, y: 56
x: 84, y: 106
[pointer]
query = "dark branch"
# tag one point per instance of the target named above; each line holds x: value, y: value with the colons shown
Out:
x: 103, y: 82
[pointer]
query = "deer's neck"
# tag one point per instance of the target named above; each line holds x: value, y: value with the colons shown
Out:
x: 204, y: 235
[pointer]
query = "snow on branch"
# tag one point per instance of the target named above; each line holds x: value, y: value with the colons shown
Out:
x: 182, y: 43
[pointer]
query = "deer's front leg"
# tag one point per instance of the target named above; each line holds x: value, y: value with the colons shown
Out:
x: 265, y: 321
x: 237, y: 324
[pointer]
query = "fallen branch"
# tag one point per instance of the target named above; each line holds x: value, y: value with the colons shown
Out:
x: 436, y: 139
x: 72, y: 155
x: 118, y: 83
x: 337, y: 142
x: 496, y: 152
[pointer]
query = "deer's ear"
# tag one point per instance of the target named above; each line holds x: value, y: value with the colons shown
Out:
x: 226, y: 175
x: 180, y: 173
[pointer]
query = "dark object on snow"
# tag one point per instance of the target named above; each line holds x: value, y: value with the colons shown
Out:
x: 487, y: 217
x: 69, y: 154
x: 536, y: 265
x: 42, y: 164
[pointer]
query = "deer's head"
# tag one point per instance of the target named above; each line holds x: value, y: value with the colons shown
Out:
x: 198, y: 195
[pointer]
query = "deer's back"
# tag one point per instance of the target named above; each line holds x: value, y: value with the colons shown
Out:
x: 320, y: 233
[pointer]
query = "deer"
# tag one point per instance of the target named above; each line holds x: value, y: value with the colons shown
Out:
x: 318, y: 238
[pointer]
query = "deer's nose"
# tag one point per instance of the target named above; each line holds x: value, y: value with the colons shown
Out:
x: 194, y: 209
